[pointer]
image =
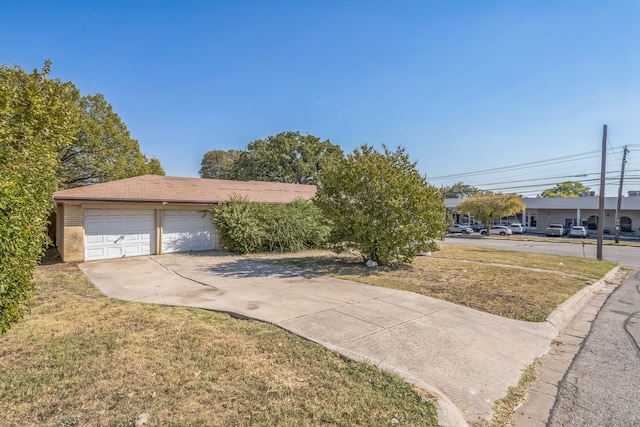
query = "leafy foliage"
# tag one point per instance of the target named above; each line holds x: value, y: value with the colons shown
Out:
x: 217, y: 164
x: 38, y: 117
x: 566, y: 189
x: 460, y: 189
x: 50, y: 137
x: 379, y: 205
x: 286, y: 157
x: 103, y: 149
x: 247, y: 227
x: 487, y: 208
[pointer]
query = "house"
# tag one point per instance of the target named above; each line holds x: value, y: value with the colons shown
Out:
x: 568, y: 211
x: 152, y: 214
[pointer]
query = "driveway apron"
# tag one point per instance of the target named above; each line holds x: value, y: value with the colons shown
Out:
x: 466, y: 358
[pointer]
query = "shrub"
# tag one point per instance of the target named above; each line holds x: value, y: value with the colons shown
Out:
x: 380, y: 205
x: 36, y: 119
x: 247, y: 227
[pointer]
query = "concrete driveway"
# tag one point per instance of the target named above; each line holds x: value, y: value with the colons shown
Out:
x: 467, y: 358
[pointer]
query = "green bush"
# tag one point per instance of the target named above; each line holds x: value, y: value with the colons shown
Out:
x: 36, y: 119
x: 247, y: 227
x: 381, y: 206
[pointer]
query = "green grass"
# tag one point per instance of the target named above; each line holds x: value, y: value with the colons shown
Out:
x: 81, y: 359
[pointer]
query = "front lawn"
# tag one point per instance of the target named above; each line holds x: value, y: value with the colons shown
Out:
x: 81, y: 359
x: 517, y: 285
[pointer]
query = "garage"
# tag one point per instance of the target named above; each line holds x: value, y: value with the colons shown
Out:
x: 153, y: 214
x: 187, y: 230
x: 116, y: 233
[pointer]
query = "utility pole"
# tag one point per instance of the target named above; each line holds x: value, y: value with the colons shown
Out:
x: 624, y: 160
x: 603, y: 170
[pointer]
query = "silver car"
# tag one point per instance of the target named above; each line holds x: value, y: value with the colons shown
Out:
x: 554, y: 230
x: 459, y: 228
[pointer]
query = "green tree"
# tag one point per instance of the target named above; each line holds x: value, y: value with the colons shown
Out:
x: 286, y: 157
x: 566, y: 189
x: 38, y: 117
x: 487, y: 208
x: 217, y: 164
x: 103, y: 149
x: 379, y: 205
x: 460, y: 189
x: 153, y: 167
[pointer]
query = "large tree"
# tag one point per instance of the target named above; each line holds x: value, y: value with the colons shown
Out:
x: 380, y: 205
x: 286, y: 157
x: 103, y: 149
x: 38, y: 118
x: 487, y: 208
x: 218, y: 164
x: 566, y: 189
x: 460, y: 189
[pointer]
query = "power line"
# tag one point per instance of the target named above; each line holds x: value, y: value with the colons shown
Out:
x: 548, y: 162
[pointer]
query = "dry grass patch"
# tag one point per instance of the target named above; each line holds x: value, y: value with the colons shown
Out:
x: 464, y: 276
x: 585, y: 267
x: 82, y: 359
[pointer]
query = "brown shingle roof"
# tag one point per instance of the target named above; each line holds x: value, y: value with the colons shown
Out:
x: 158, y: 189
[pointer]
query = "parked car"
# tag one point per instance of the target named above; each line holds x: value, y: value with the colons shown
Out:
x: 477, y: 226
x: 517, y: 228
x: 578, y: 231
x: 497, y: 230
x: 555, y: 230
x: 459, y: 228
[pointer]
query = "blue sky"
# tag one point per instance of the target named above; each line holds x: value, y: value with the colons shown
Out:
x: 464, y: 86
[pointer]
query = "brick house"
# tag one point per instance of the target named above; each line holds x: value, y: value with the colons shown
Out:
x: 152, y: 214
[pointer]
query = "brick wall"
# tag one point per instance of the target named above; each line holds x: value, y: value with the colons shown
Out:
x: 73, y: 234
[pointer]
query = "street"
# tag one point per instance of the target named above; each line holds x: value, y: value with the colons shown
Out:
x: 628, y: 256
x: 600, y: 387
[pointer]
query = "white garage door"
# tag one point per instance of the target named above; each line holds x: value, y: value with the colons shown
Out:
x: 115, y: 233
x: 184, y: 231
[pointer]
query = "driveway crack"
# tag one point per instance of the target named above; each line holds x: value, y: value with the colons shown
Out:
x: 182, y: 275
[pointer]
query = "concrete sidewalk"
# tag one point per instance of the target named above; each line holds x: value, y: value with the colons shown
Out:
x: 466, y: 358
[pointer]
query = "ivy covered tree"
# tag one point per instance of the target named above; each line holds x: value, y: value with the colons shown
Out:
x: 286, y: 157
x: 487, y: 208
x: 38, y: 118
x: 379, y: 205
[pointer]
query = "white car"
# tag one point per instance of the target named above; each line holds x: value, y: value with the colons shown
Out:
x: 517, y: 228
x: 578, y: 231
x: 497, y: 230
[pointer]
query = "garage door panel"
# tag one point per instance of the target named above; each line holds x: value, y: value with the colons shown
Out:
x: 185, y: 230
x: 114, y: 233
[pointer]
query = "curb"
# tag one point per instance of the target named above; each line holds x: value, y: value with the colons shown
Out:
x: 572, y: 321
x: 562, y: 316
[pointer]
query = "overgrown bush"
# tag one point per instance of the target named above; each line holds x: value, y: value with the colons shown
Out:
x: 247, y: 227
x: 381, y: 206
x: 36, y: 119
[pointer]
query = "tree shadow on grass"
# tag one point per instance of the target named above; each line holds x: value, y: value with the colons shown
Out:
x: 335, y: 265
